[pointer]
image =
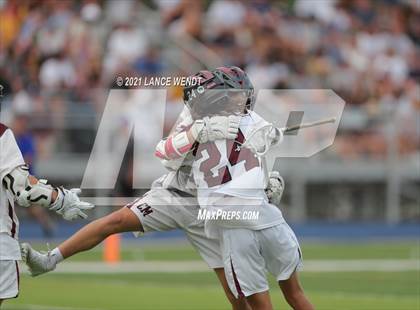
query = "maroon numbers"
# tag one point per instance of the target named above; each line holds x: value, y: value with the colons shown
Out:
x: 236, y: 155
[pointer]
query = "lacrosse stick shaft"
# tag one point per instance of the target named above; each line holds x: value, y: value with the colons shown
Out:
x: 268, y: 144
x: 307, y: 125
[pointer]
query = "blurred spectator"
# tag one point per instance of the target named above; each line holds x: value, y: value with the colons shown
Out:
x: 174, y: 106
x: 24, y: 137
x: 181, y: 17
x: 91, y: 11
x: 322, y: 10
x: 225, y: 16
x: 391, y: 64
x: 25, y: 141
x: 64, y: 51
x: 125, y: 44
x: 150, y: 64
x: 57, y: 72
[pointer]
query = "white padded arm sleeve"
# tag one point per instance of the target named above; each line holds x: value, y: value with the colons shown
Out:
x: 178, y: 145
x: 67, y: 202
x: 17, y: 180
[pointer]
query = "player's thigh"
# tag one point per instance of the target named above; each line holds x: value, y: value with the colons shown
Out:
x: 243, y: 263
x: 222, y: 279
x: 291, y: 286
x: 208, y: 248
x: 237, y: 303
x: 157, y: 210
x: 122, y: 220
x: 9, y: 279
x: 281, y: 251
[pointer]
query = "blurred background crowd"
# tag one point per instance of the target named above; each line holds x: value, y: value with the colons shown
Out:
x: 59, y: 58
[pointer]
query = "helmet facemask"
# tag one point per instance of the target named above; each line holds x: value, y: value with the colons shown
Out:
x: 224, y: 91
x: 219, y: 102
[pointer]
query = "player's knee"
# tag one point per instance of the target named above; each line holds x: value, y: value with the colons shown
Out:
x: 239, y: 303
x: 230, y: 297
x: 260, y: 304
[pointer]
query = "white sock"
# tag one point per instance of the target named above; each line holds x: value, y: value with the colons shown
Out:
x: 56, y: 255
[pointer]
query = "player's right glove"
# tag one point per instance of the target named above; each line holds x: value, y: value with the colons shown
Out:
x: 219, y: 127
x: 69, y: 205
x: 275, y: 188
x: 204, y: 130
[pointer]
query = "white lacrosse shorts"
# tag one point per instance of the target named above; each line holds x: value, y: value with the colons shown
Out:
x: 249, y: 254
x: 9, y: 279
x: 165, y: 210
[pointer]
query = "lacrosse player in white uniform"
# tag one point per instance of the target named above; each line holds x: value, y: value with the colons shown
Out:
x: 15, y: 184
x: 170, y: 204
x: 230, y: 181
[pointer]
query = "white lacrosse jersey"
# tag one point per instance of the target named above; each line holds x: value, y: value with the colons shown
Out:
x: 10, y: 158
x: 230, y: 177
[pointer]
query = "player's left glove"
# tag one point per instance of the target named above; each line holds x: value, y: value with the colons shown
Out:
x: 275, y: 188
x: 219, y: 128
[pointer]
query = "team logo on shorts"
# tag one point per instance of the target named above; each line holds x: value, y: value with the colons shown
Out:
x: 145, y: 209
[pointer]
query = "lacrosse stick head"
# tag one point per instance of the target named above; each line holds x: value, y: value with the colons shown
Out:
x: 261, y: 139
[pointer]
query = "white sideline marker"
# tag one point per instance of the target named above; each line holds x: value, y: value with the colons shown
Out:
x: 383, y: 265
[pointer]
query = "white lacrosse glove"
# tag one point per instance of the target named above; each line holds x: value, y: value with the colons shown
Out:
x: 68, y: 204
x: 219, y: 128
x: 275, y: 188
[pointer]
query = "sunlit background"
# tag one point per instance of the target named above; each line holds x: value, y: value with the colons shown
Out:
x: 354, y: 206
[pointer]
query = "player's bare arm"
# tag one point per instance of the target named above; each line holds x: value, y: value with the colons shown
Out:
x: 203, y: 130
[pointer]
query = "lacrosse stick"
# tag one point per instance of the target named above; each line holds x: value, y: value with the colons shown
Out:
x: 277, y: 136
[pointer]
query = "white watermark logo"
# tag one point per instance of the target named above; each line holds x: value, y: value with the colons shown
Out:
x: 140, y: 114
x: 227, y: 215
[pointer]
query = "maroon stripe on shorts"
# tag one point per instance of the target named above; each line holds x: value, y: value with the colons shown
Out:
x: 18, y: 278
x: 3, y: 128
x: 13, y: 230
x: 18, y: 275
x: 235, y: 279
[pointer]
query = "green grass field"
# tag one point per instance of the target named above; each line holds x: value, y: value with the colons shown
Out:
x: 200, y: 290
